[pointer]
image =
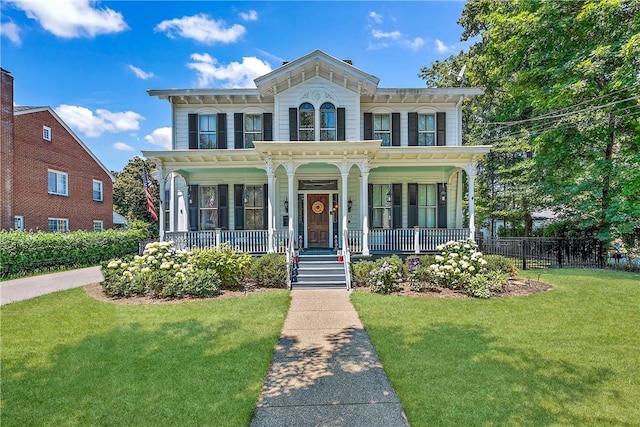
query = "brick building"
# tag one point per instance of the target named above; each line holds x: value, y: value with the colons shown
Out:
x: 50, y: 180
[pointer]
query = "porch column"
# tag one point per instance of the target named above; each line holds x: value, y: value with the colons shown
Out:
x: 343, y: 205
x: 364, y: 205
x: 293, y: 202
x: 471, y: 175
x: 270, y: 203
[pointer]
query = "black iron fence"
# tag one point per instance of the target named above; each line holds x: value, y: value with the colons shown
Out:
x: 543, y: 252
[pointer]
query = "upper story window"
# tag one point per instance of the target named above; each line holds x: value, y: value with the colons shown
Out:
x: 207, y: 131
x: 46, y: 133
x: 382, y: 128
x: 58, y: 183
x: 252, y: 129
x: 58, y: 224
x: 306, y: 122
x: 426, y: 129
x: 97, y: 190
x: 327, y: 122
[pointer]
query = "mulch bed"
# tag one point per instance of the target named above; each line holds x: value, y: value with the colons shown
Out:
x: 514, y: 287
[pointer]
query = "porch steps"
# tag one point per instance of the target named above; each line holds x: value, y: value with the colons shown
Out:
x: 320, y: 271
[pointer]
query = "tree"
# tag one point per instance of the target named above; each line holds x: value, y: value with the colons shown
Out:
x: 129, y: 197
x: 561, y: 105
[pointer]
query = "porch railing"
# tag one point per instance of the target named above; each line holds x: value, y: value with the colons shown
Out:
x: 399, y: 240
x: 411, y: 240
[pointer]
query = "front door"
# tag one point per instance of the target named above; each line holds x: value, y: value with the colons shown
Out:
x: 318, y: 220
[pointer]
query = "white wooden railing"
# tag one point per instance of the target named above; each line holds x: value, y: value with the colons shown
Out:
x: 399, y: 240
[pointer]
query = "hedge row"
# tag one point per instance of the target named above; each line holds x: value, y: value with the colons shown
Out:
x: 23, y: 252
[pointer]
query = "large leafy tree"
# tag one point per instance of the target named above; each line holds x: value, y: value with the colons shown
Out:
x: 561, y: 105
x: 129, y: 197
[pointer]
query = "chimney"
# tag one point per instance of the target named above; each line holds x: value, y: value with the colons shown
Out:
x: 6, y: 149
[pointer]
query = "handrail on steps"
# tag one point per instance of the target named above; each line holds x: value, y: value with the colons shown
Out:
x: 291, y: 261
x: 346, y: 258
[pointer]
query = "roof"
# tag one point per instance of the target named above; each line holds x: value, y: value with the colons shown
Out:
x: 23, y: 110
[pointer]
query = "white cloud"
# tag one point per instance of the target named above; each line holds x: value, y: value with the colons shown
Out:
x: 73, y: 18
x: 252, y: 15
x: 416, y: 43
x: 232, y: 75
x: 393, y: 35
x: 121, y: 146
x: 141, y: 74
x: 103, y: 121
x: 375, y: 17
x: 161, y: 137
x: 201, y: 28
x: 442, y: 48
x: 10, y: 31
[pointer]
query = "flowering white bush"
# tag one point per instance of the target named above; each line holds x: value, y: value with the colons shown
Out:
x: 385, y: 279
x: 161, y: 271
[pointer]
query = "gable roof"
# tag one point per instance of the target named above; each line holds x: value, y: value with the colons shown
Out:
x: 317, y: 64
x: 23, y: 110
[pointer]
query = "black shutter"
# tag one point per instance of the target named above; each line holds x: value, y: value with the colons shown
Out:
x: 370, y: 190
x: 442, y: 205
x: 238, y: 130
x: 396, y: 197
x: 193, y: 131
x: 412, y: 219
x: 238, y: 206
x: 441, y: 125
x: 395, y: 129
x: 341, y: 125
x: 221, y: 135
x: 193, y: 207
x: 223, y: 206
x: 267, y: 126
x: 293, y: 124
x: 265, y: 206
x: 368, y: 126
x: 413, y: 129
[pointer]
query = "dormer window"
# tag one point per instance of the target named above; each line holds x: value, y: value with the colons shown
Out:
x: 46, y: 133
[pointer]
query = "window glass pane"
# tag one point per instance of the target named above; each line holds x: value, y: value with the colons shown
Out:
x: 422, y: 195
x: 431, y: 195
x: 431, y: 217
x: 422, y: 217
x: 431, y: 122
x: 426, y: 139
x: 207, y: 140
x: 51, y: 182
x: 377, y: 200
x: 327, y: 135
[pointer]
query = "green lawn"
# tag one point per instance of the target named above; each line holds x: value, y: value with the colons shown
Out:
x: 69, y: 360
x: 569, y: 356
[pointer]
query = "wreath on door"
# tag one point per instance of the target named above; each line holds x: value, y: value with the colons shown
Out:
x: 317, y: 207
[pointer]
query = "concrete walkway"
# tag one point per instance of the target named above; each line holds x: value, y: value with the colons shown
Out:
x: 325, y: 371
x: 29, y: 287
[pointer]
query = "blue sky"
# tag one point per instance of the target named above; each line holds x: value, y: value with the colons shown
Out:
x: 92, y: 62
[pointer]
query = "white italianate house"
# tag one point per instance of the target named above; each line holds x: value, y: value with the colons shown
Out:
x: 317, y: 156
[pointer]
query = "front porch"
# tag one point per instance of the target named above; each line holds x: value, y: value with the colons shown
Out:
x: 389, y: 241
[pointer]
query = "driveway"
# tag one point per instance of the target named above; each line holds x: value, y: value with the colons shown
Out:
x: 30, y: 287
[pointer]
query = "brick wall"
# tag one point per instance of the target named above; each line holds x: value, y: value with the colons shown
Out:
x: 6, y: 149
x: 33, y: 157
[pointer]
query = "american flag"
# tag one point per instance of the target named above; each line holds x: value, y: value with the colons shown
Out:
x: 147, y: 191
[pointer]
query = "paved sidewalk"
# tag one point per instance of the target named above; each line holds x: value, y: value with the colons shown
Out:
x: 325, y: 371
x: 29, y: 287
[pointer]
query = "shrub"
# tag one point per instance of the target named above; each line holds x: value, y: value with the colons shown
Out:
x: 360, y: 272
x: 456, y: 263
x: 24, y: 252
x: 269, y: 270
x: 161, y: 272
x: 385, y: 279
x: 230, y: 265
x: 501, y: 264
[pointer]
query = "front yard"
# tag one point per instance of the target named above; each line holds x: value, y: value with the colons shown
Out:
x: 70, y: 360
x: 568, y: 356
